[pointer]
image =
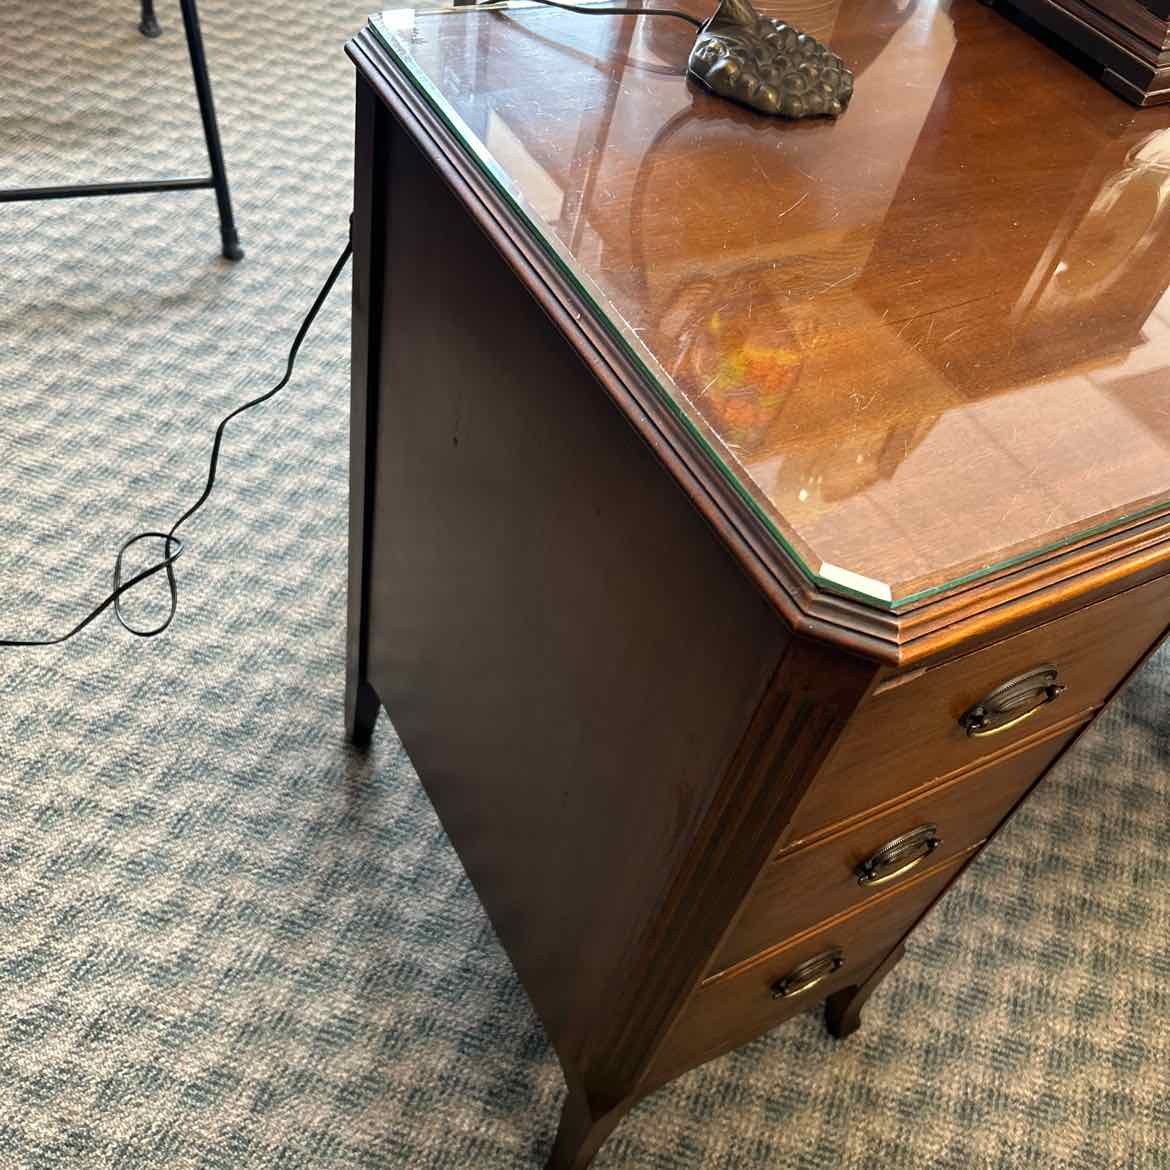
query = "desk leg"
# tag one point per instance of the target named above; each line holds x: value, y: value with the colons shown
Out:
x: 361, y: 712
x: 843, y: 1008
x: 367, y: 233
x: 581, y: 1134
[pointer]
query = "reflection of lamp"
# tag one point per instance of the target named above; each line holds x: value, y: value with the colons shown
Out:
x: 756, y: 60
x: 1124, y: 221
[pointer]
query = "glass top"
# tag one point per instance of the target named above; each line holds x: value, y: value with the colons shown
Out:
x: 925, y: 342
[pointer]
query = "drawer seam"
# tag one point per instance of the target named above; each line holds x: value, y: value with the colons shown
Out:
x: 771, y: 952
x: 838, y: 828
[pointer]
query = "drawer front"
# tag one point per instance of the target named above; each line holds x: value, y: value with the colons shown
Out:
x: 731, y: 1008
x: 820, y: 881
x: 907, y: 735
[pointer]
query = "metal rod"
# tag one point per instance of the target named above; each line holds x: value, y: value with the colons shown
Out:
x: 218, y: 178
x: 18, y: 195
x: 227, y: 223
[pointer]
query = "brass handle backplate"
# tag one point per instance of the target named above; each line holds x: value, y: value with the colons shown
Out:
x: 1012, y: 702
x: 807, y: 975
x: 899, y: 856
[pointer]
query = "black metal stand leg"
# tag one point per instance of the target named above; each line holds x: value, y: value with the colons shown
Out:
x: 227, y: 223
x: 148, y: 25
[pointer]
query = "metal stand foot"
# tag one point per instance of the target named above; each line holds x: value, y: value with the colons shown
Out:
x: 148, y: 26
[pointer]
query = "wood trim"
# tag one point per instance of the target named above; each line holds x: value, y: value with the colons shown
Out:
x: 993, y: 610
x: 642, y: 407
x: 809, y: 699
x: 367, y: 235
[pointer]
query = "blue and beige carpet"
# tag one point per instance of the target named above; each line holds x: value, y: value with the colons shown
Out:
x: 227, y: 942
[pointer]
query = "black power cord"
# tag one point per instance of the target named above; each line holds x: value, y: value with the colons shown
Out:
x: 173, y: 546
x: 590, y: 11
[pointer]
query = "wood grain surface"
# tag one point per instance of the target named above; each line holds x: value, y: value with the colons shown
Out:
x: 582, y: 525
x: 820, y: 881
x: 919, y: 354
x: 738, y: 1004
x: 904, y: 737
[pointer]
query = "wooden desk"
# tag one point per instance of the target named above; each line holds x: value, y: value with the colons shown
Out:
x: 713, y: 475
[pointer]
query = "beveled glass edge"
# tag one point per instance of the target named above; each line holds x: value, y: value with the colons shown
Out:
x: 1075, y: 537
x: 867, y: 590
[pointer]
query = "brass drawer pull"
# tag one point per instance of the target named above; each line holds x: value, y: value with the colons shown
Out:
x: 1012, y: 702
x: 899, y: 856
x: 807, y: 975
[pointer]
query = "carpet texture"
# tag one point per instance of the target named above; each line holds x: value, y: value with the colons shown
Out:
x: 226, y: 940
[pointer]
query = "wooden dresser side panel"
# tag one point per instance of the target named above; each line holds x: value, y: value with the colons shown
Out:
x: 567, y: 649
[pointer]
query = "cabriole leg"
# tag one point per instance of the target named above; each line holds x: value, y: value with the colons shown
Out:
x: 582, y: 1133
x: 843, y: 1008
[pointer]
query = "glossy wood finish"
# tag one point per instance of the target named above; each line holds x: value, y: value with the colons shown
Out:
x: 738, y: 1004
x: 820, y: 881
x: 618, y: 689
x: 913, y: 729
x: 992, y: 420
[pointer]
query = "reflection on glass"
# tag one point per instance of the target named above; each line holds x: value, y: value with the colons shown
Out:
x: 926, y: 341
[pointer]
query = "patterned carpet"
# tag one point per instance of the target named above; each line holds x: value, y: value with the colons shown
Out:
x: 228, y: 942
